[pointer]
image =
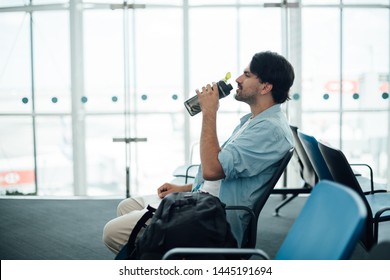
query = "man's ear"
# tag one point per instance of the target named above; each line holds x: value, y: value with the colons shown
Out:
x: 267, y: 88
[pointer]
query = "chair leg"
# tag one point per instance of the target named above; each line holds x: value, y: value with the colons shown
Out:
x: 284, y: 202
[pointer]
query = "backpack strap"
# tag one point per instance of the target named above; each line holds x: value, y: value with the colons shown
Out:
x: 140, y: 224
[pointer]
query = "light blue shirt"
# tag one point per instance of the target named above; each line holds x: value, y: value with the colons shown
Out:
x: 250, y: 161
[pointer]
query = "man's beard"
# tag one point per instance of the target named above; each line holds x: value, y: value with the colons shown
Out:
x: 243, y: 98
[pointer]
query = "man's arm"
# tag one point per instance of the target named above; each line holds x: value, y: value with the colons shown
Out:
x: 168, y: 188
x: 209, y: 145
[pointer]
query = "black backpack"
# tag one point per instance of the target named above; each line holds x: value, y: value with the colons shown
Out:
x: 183, y: 219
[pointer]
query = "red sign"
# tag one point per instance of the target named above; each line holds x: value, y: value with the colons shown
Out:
x: 18, y: 177
x: 384, y: 87
x: 349, y: 86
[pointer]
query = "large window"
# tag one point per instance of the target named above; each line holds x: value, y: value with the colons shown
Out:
x: 16, y: 141
x: 75, y: 75
x: 345, y: 81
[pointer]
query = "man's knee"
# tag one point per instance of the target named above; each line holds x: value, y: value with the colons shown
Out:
x: 109, y: 233
x: 128, y: 205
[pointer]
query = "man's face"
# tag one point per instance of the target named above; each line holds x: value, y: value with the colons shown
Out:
x: 248, y: 86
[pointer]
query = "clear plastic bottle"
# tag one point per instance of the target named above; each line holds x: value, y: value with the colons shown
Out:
x: 192, y: 104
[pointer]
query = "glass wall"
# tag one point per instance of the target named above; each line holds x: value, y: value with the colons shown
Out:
x: 345, y: 80
x: 140, y: 63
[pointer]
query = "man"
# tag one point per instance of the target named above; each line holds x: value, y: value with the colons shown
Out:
x: 237, y: 170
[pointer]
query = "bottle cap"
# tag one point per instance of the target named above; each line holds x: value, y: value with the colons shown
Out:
x: 227, y: 76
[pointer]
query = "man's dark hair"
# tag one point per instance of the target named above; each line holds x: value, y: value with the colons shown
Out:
x: 273, y: 68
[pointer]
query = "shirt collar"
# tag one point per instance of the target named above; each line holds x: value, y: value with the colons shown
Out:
x: 265, y: 114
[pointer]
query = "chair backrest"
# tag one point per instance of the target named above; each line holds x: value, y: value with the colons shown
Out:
x: 273, y: 181
x: 251, y: 231
x: 306, y: 171
x: 339, y: 167
x: 342, y: 173
x: 328, y: 227
x: 310, y: 145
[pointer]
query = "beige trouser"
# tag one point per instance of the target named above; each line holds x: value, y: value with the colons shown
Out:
x: 117, y: 231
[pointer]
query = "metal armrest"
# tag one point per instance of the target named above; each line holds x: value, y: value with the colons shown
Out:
x: 377, y: 220
x: 188, y: 170
x: 179, y: 171
x: 371, y: 173
x: 213, y: 251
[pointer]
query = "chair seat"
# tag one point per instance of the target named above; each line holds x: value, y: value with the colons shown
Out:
x: 379, y: 201
x: 365, y: 184
x: 186, y: 171
x: 380, y: 251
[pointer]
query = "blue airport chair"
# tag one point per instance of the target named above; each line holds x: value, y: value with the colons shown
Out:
x: 377, y: 203
x: 328, y: 228
x: 306, y: 171
x: 310, y: 144
x: 250, y: 238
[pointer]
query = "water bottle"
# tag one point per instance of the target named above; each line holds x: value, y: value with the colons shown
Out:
x: 192, y: 104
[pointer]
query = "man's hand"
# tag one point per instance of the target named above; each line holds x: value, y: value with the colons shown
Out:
x: 168, y: 188
x: 209, y: 98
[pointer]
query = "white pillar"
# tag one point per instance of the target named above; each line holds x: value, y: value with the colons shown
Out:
x: 77, y: 91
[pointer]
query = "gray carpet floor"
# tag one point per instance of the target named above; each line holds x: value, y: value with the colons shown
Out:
x: 71, y: 229
x: 47, y: 229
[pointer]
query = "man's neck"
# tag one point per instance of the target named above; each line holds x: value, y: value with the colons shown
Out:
x: 261, y: 107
